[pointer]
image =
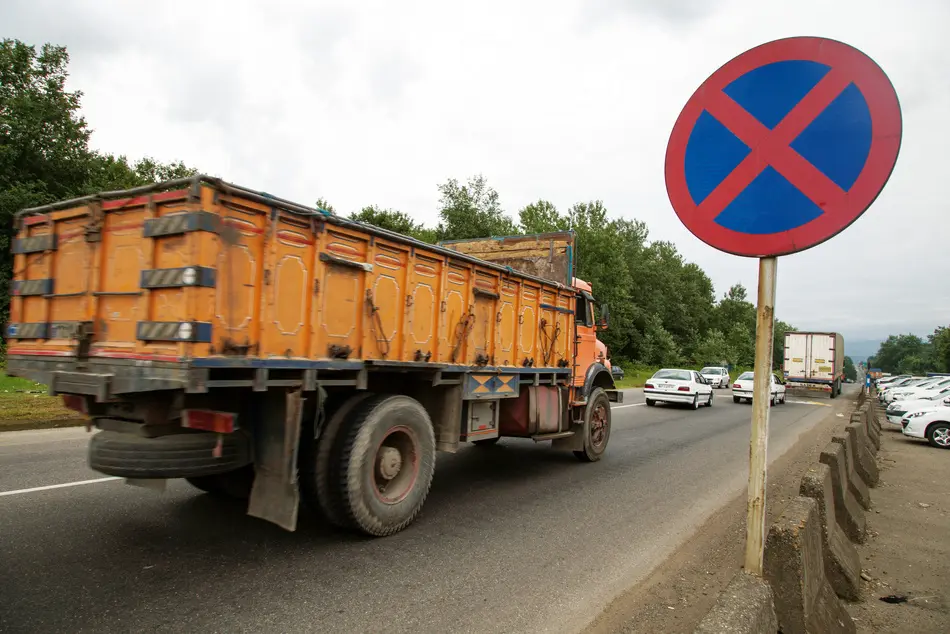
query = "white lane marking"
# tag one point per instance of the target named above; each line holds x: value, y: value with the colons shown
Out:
x: 57, y: 486
x: 623, y: 406
x: 810, y: 403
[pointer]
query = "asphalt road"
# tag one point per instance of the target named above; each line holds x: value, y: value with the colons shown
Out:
x: 513, y: 538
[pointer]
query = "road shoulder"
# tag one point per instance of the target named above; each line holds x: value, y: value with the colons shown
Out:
x: 907, y: 555
x: 681, y: 590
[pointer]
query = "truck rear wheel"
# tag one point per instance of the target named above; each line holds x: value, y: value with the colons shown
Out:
x: 386, y: 464
x: 596, y: 426
x: 834, y: 389
x: 320, y: 463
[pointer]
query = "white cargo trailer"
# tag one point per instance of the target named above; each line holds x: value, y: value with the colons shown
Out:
x: 814, y: 361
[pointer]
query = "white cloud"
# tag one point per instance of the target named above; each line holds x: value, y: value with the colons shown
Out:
x: 377, y: 102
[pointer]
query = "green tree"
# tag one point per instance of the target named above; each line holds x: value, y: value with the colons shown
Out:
x: 850, y: 372
x: 713, y: 349
x: 542, y: 217
x: 659, y: 348
x: 898, y: 353
x: 394, y: 220
x: 778, y: 345
x: 44, y: 144
x: 323, y: 205
x: 940, y: 347
x: 472, y: 210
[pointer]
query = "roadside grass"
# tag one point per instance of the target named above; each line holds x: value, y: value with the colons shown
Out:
x: 636, y: 376
x: 26, y: 405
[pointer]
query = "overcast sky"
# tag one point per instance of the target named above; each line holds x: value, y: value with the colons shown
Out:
x: 376, y: 102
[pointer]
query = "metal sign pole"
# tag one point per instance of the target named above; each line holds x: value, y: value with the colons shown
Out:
x: 761, y: 397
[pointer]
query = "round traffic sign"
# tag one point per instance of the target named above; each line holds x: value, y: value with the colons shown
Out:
x: 783, y: 147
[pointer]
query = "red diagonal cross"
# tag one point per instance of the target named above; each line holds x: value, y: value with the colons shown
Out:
x: 772, y: 147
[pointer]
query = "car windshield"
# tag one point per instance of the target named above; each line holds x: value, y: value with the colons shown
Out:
x: 713, y: 371
x: 746, y: 376
x: 677, y: 375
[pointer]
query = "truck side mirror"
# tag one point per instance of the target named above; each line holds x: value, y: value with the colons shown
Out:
x: 604, y: 322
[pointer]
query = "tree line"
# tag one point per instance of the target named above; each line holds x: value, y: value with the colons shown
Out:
x: 911, y: 354
x: 663, y: 309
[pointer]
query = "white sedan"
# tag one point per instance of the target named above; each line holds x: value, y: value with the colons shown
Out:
x: 932, y: 423
x: 686, y: 387
x: 716, y: 377
x: 742, y: 388
x: 918, y: 391
x: 898, y: 409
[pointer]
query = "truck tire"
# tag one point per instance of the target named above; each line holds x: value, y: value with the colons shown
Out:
x: 235, y: 485
x: 834, y: 390
x: 319, y: 469
x: 596, y: 426
x: 386, y: 464
x: 186, y: 455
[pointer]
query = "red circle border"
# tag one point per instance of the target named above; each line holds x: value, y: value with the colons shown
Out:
x: 886, y: 132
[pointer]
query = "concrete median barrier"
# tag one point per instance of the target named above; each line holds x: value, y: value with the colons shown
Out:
x: 794, y: 567
x: 842, y: 564
x: 864, y: 461
x: 856, y: 484
x: 863, y: 418
x: 746, y: 606
x: 848, y: 511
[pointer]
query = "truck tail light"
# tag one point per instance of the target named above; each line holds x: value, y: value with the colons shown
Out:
x: 76, y: 403
x: 208, y: 420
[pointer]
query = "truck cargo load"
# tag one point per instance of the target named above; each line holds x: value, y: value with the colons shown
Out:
x: 814, y: 361
x: 277, y: 346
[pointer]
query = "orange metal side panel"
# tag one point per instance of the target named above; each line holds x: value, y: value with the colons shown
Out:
x: 73, y: 263
x: 456, y: 322
x: 529, y: 318
x: 385, y: 302
x: 289, y: 290
x: 422, y: 336
x: 506, y: 352
x: 120, y: 268
x: 565, y: 346
x: 36, y: 266
x: 483, y: 330
x: 340, y: 299
x: 240, y: 266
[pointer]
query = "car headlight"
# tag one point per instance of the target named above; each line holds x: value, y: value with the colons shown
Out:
x: 918, y: 414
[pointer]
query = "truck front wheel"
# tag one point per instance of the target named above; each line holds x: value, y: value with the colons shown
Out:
x: 386, y: 464
x: 596, y: 426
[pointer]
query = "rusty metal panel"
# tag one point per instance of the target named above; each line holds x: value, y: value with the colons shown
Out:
x: 538, y: 409
x: 549, y: 256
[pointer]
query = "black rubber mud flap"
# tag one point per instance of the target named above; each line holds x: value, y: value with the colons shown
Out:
x: 275, y: 496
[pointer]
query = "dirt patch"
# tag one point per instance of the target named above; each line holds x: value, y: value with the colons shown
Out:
x: 907, y: 554
x: 679, y: 593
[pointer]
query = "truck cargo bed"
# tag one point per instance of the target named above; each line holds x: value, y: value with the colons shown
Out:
x: 198, y: 273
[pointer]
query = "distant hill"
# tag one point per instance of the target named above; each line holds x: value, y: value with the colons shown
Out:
x: 860, y: 349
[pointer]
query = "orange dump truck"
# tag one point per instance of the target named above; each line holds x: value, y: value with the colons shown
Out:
x: 265, y: 350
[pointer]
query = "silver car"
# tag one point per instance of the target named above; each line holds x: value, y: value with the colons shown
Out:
x: 717, y: 377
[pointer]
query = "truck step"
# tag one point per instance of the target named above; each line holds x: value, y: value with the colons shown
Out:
x: 554, y: 436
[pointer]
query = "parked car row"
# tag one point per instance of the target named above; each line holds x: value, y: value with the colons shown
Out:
x: 928, y: 419
x: 689, y: 387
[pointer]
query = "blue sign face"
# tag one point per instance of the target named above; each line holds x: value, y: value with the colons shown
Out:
x: 783, y: 147
x: 834, y: 145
